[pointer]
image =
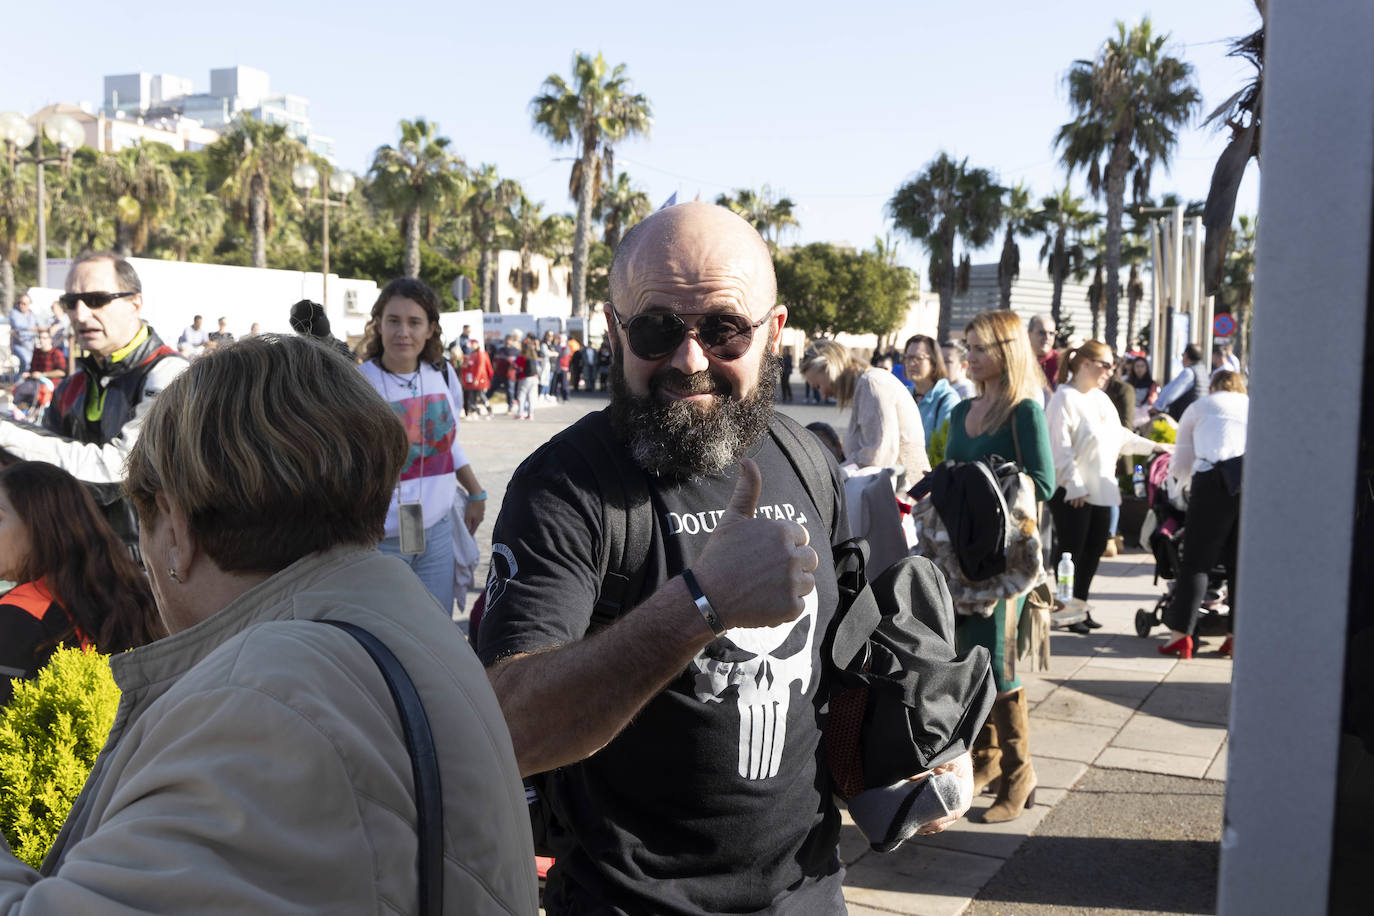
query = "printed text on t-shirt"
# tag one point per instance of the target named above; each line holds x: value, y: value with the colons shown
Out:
x: 705, y: 522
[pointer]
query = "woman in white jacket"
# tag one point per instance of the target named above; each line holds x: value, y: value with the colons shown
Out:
x: 1086, y: 438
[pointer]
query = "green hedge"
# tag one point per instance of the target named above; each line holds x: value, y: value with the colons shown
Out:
x: 50, y: 735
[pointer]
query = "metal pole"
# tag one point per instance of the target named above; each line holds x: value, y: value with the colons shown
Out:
x: 324, y: 278
x: 1156, y: 277
x: 1204, y: 302
x: 1177, y: 296
x: 41, y: 245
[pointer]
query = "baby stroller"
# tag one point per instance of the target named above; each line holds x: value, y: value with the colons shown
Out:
x: 1164, y: 530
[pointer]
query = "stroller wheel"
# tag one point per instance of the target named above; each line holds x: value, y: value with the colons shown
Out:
x: 1143, y: 621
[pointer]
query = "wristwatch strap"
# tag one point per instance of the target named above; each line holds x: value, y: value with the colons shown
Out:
x: 703, y: 605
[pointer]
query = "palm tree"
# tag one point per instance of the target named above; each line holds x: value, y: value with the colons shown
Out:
x: 1238, y: 284
x: 1020, y: 217
x: 250, y: 163
x: 82, y: 206
x: 622, y: 205
x: 414, y: 179
x: 1128, y: 103
x: 534, y: 233
x: 1064, y: 220
x: 596, y: 111
x: 195, y: 221
x: 947, y: 202
x: 766, y: 213
x: 488, y: 211
x: 143, y: 189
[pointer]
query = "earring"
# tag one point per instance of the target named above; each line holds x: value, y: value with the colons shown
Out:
x: 172, y: 574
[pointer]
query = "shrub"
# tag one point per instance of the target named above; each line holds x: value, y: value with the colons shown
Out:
x: 50, y: 735
x: 935, y: 448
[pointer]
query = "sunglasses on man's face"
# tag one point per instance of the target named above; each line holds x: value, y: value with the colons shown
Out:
x: 93, y: 300
x: 658, y: 334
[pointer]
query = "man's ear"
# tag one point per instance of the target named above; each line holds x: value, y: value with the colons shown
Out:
x: 136, y: 301
x: 608, y: 311
x: 776, y: 322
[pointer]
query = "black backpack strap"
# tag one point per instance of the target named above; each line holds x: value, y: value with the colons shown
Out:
x: 424, y: 766
x: 805, y: 454
x: 627, y: 517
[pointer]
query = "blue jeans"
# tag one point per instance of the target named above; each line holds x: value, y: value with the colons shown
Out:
x: 434, y: 567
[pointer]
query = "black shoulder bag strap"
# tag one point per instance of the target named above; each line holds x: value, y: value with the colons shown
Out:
x: 803, y: 451
x: 424, y: 766
x: 627, y: 519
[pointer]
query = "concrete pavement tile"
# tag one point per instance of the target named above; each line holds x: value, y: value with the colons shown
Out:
x: 1213, y: 669
x: 918, y: 880
x: 1073, y: 705
x: 1193, y: 701
x: 1150, y: 733
x: 1218, y: 768
x: 1062, y: 665
x: 1068, y: 740
x: 853, y: 844
x: 1108, y: 680
x: 1046, y: 797
x: 1037, y: 688
x: 998, y: 840
x: 1125, y: 758
x: 1056, y: 772
x: 1155, y: 663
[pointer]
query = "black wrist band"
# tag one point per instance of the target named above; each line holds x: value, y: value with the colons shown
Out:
x: 703, y: 605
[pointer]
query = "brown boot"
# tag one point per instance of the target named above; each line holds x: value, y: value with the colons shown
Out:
x: 987, y: 759
x: 1017, y: 792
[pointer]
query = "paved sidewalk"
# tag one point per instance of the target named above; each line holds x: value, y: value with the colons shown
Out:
x: 1109, y: 701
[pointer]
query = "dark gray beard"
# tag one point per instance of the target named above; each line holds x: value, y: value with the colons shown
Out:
x: 682, y: 440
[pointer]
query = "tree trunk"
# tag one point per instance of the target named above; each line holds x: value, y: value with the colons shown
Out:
x: 486, y: 296
x: 258, y: 218
x: 1059, y: 269
x: 582, y: 239
x: 1111, y: 256
x: 123, y: 247
x: 524, y: 281
x: 1132, y: 304
x: 945, y: 284
x: 412, y: 227
x: 1006, y: 267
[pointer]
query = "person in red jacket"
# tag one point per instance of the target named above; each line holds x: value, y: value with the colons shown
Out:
x: 476, y: 379
x: 79, y: 586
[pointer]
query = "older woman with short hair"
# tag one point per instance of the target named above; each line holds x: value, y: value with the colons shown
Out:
x: 884, y: 425
x: 256, y: 764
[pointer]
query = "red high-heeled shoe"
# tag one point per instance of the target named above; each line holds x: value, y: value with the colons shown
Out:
x: 1182, y: 647
x: 1226, y: 647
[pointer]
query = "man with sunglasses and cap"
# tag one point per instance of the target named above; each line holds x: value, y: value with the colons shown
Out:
x: 683, y: 732
x: 93, y: 421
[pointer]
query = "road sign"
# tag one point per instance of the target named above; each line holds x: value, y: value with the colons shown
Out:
x: 1223, y: 325
x: 462, y: 288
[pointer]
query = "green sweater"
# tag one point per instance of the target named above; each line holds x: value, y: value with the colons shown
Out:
x: 1029, y: 418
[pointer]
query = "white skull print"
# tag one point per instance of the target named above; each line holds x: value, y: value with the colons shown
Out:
x: 761, y: 664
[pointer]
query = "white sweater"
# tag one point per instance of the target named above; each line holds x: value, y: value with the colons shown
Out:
x: 1211, y: 430
x: 885, y: 426
x: 1086, y: 438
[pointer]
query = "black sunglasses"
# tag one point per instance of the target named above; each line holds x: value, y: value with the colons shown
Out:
x: 93, y: 300
x: 657, y: 334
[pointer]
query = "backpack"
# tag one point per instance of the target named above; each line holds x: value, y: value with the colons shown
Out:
x: 627, y: 525
x: 972, y: 499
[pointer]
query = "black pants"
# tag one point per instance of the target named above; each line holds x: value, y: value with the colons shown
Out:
x: 1082, y: 534
x: 1209, y: 537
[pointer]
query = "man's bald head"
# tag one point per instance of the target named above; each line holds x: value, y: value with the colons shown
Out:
x: 695, y: 242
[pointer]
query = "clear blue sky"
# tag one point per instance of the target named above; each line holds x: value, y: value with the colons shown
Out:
x: 832, y: 104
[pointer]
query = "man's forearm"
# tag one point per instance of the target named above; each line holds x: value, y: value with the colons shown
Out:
x: 565, y: 704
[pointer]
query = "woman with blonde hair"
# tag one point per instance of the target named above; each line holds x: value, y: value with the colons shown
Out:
x: 884, y: 424
x: 1086, y: 439
x: 257, y: 762
x: 403, y: 360
x: 1005, y: 418
x: 1209, y: 451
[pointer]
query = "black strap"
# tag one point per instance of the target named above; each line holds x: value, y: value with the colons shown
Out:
x: 803, y: 451
x: 424, y: 766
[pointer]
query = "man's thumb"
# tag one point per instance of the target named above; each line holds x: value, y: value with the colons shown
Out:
x: 746, y: 496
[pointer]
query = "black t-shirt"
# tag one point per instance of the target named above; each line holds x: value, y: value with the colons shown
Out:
x: 715, y: 798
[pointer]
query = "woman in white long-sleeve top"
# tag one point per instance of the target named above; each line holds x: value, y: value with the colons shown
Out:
x: 1086, y: 438
x: 1211, y: 445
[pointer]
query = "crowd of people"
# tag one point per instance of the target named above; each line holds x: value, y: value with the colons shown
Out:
x: 253, y: 527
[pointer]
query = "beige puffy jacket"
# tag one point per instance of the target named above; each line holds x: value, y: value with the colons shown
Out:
x: 256, y: 765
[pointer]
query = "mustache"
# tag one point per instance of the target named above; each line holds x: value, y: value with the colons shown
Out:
x: 697, y: 383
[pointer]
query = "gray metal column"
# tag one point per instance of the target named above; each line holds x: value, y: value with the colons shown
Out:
x: 1313, y: 268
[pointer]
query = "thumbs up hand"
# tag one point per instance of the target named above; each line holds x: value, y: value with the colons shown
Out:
x: 755, y: 571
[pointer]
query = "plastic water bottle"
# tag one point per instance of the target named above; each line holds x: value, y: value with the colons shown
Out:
x: 1065, y: 578
x: 1138, y: 482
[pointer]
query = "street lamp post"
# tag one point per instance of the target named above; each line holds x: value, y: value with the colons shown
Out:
x: 306, y: 177
x: 17, y: 133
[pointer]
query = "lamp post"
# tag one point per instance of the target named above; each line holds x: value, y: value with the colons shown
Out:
x: 17, y: 133
x: 306, y: 176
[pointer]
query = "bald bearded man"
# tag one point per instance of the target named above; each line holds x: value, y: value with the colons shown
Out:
x: 684, y: 736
